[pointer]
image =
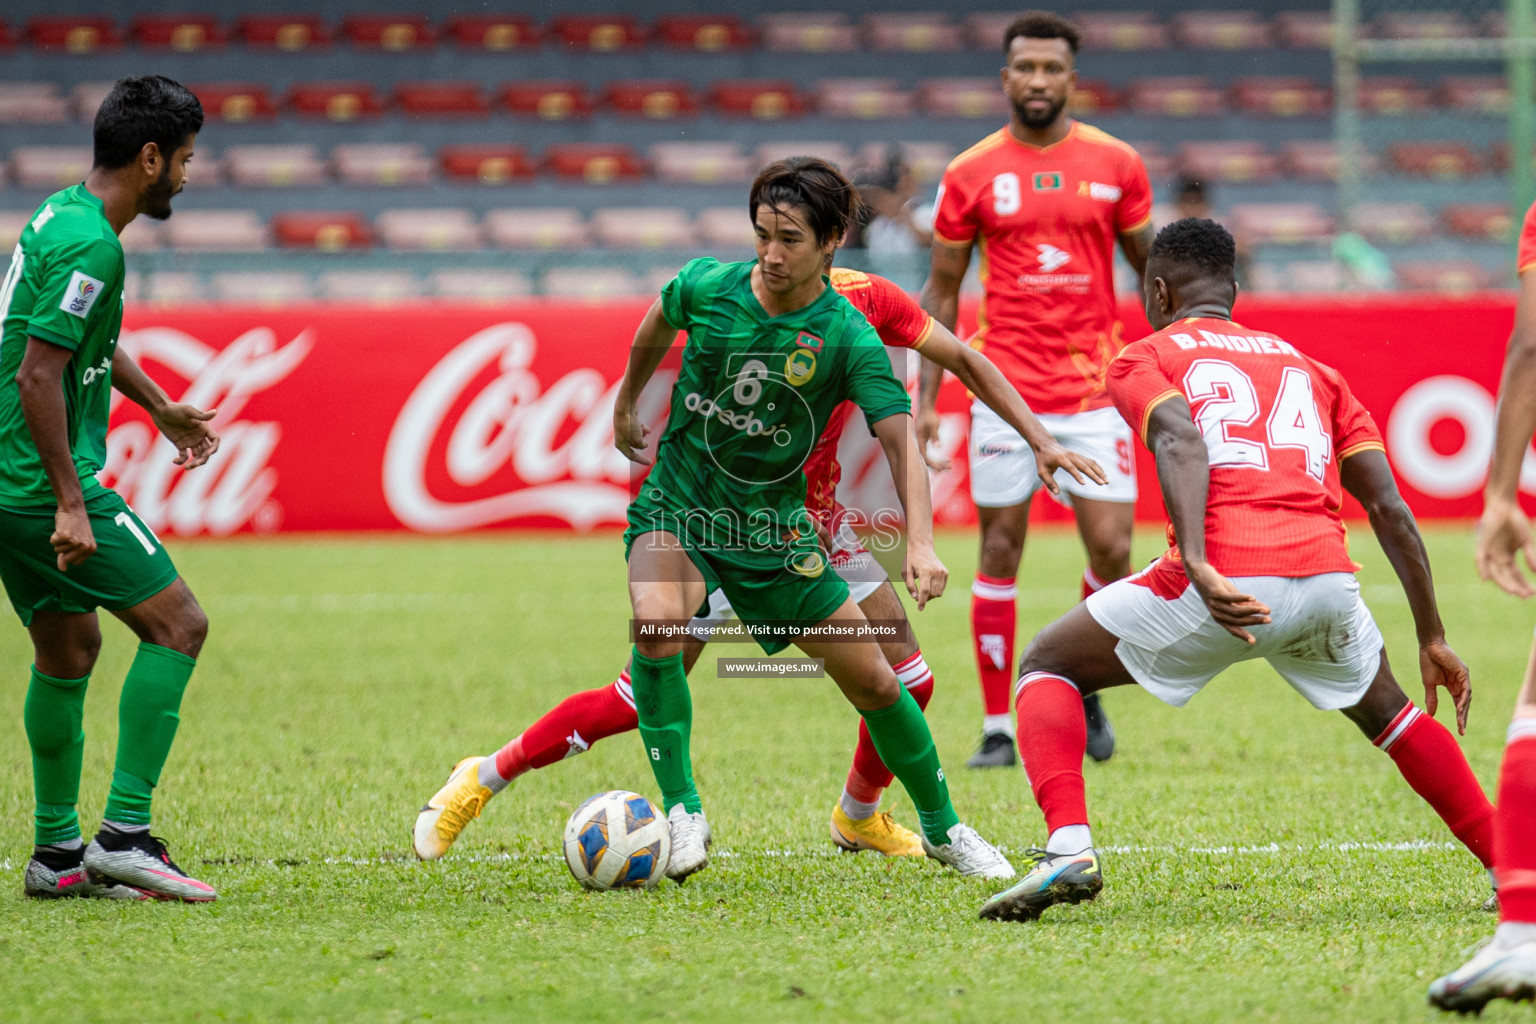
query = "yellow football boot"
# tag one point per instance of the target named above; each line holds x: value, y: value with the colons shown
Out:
x: 878, y: 832
x: 459, y: 802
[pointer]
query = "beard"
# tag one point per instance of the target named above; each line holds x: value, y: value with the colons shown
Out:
x: 157, y: 198
x: 1038, y: 121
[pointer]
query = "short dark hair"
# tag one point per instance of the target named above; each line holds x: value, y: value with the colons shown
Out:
x: 1042, y: 25
x: 1196, y: 242
x: 831, y: 202
x: 143, y: 110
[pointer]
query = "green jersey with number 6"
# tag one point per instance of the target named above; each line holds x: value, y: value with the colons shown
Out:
x: 64, y: 286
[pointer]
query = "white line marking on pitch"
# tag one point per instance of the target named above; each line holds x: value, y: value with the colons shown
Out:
x: 357, y: 603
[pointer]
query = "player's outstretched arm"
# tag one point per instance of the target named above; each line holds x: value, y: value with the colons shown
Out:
x: 1368, y: 477
x: 941, y: 298
x: 924, y: 573
x: 652, y: 340
x: 185, y: 426
x: 40, y: 381
x: 1504, y: 531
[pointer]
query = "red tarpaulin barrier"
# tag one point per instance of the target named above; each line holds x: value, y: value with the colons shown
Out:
x: 441, y: 417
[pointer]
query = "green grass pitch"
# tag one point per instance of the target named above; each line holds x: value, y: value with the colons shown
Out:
x: 1263, y: 861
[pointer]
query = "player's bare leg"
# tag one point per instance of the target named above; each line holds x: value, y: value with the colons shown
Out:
x: 1105, y: 527
x: 994, y: 618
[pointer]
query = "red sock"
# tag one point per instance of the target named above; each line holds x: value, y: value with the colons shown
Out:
x: 869, y: 776
x: 1514, y: 826
x: 1433, y: 764
x: 570, y: 727
x: 993, y: 620
x: 1091, y: 583
x: 1052, y: 740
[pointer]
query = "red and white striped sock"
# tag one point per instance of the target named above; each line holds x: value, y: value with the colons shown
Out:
x: 566, y: 730
x: 1514, y: 826
x: 994, y: 617
x: 1091, y: 583
x: 869, y: 777
x: 1052, y: 740
x: 1430, y: 760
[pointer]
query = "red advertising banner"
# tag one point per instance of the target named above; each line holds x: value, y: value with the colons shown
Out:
x: 441, y: 418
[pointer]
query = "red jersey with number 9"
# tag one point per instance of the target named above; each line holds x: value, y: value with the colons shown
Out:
x: 1276, y: 426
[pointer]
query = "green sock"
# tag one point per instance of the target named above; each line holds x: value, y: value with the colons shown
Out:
x: 147, y: 716
x: 906, y: 746
x: 53, y: 714
x: 666, y: 718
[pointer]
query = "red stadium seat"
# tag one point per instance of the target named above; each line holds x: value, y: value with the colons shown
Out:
x: 701, y: 163
x: 335, y: 101
x: 643, y: 227
x: 396, y: 33
x: 479, y: 285
x: 288, y: 166
x: 1281, y: 96
x: 371, y: 287
x: 726, y: 227
x: 1448, y: 277
x: 187, y: 33
x: 601, y: 33
x: 595, y: 284
x: 656, y: 99
x: 1475, y: 94
x: 210, y: 230
x: 912, y: 33
x: 322, y: 229
x: 1175, y: 96
x: 74, y: 34
x: 50, y: 167
x: 926, y: 160
x: 290, y: 32
x: 32, y: 103
x: 1281, y: 223
x: 235, y: 101
x: 706, y: 33
x: 1221, y: 30
x: 1121, y: 30
x: 764, y: 99
x: 7, y: 36
x: 808, y: 33
x: 495, y: 32
x: 451, y: 228
x: 1489, y: 221
x: 548, y: 100
x: 1424, y: 25
x: 596, y: 163
x: 1091, y: 97
x: 542, y: 227
x: 1304, y: 30
x: 1229, y: 161
x: 1446, y: 161
x: 441, y: 99
x: 382, y: 163
x: 863, y: 98
x: 1393, y: 94
x: 1392, y: 223
x: 962, y: 97
x: 834, y: 152
x: 487, y: 164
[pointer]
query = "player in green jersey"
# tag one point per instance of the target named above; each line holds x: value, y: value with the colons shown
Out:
x: 772, y: 350
x: 69, y: 545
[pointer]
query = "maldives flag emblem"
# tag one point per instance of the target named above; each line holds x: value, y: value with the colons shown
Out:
x: 1047, y: 181
x: 809, y: 340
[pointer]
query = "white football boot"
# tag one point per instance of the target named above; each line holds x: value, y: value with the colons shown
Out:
x: 970, y: 854
x: 1501, y: 969
x: 690, y: 843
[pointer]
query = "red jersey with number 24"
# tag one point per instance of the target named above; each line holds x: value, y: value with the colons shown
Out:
x: 1276, y: 426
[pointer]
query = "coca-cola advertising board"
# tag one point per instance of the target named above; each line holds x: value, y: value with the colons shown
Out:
x: 441, y: 418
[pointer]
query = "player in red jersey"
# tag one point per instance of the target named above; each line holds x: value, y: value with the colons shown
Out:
x: 1044, y: 201
x: 582, y: 719
x: 1255, y: 444
x: 1505, y: 968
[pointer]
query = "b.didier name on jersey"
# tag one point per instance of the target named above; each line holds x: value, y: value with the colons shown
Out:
x: 1234, y: 343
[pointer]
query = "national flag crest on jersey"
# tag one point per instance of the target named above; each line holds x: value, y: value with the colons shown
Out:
x: 1047, y: 181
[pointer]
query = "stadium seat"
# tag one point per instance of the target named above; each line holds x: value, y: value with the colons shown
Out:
x: 171, y: 288
x: 1304, y: 30
x: 656, y: 99
x: 701, y: 163
x: 235, y: 102
x: 1159, y: 164
x: 50, y: 167
x: 32, y: 103
x: 261, y: 287
x: 335, y: 101
x: 548, y: 100
x: 1447, y: 161
x: 186, y: 33
x: 834, y: 152
x: 1475, y: 94
x: 382, y: 163
x: 541, y: 227
x: 489, y: 165
x: 706, y: 33
x: 808, y: 33
x: 1298, y: 276
x: 1392, y: 94
x: 1448, y: 277
x: 912, y: 33
x: 329, y: 230
x: 289, y: 32
x: 215, y: 230
x: 1175, y: 96
x: 1488, y: 221
x: 596, y: 163
x: 396, y: 33
x: 1281, y: 223
x: 478, y: 284
x: 1228, y: 161
x: 657, y: 277
x: 601, y: 33
x: 926, y: 160
x: 962, y: 97
x: 441, y: 99
x: 86, y: 99
x: 1091, y: 97
x: 726, y: 227
x: 1423, y: 25
x: 1315, y: 160
x: 862, y: 98
x: 495, y: 32
x: 449, y: 228
x: 84, y: 34
x: 143, y: 234
x: 1392, y: 223
x: 1121, y: 30
x: 1281, y: 96
x: 643, y: 227
x: 372, y: 287
x: 289, y: 166
x: 764, y: 99
x: 7, y: 36
x: 595, y: 284
x: 12, y: 223
x: 1221, y: 30
x: 984, y: 30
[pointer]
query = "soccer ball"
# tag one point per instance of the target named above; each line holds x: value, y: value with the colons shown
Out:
x: 617, y: 840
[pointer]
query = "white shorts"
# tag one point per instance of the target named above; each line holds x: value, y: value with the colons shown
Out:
x: 1003, y: 464
x: 849, y: 559
x: 1320, y: 638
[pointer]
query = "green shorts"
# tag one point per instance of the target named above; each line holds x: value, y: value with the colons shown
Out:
x: 129, y: 565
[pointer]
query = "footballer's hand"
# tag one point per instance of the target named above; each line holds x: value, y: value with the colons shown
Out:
x: 1231, y: 608
x: 629, y: 436
x: 925, y: 575
x: 1439, y: 666
x: 927, y: 427
x: 72, y: 540
x: 186, y: 427
x: 1050, y: 457
x: 1502, y: 534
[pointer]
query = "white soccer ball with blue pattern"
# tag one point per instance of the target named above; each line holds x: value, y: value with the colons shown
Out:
x: 617, y: 840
